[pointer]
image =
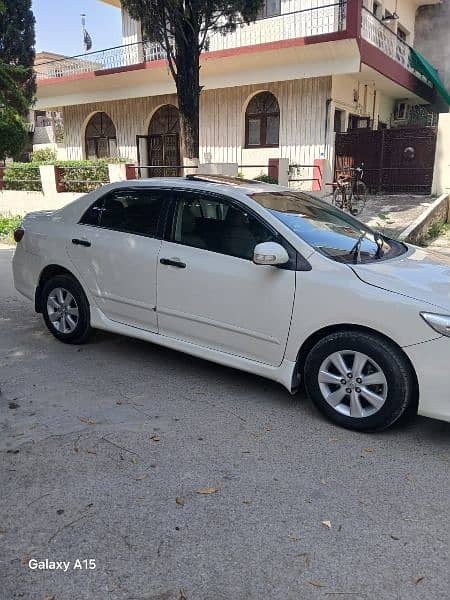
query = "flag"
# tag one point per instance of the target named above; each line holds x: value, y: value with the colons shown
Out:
x: 87, y: 40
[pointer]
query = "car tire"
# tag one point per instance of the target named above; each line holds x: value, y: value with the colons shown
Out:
x: 66, y: 309
x: 377, y: 389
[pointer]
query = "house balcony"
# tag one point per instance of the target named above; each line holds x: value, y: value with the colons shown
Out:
x: 333, y: 38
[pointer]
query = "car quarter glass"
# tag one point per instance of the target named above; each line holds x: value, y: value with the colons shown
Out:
x: 129, y: 211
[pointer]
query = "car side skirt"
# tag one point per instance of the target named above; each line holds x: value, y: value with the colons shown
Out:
x: 284, y: 373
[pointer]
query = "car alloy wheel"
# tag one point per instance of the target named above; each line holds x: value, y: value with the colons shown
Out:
x: 62, y: 310
x: 353, y: 384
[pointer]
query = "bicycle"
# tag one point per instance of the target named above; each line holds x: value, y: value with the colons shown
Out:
x: 349, y: 191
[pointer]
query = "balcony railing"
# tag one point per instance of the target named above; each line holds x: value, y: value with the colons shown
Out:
x: 378, y: 34
x: 323, y: 19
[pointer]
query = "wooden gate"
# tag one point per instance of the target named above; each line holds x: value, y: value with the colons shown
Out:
x: 396, y: 161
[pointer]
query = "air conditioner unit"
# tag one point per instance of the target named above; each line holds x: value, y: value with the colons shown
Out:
x: 401, y: 110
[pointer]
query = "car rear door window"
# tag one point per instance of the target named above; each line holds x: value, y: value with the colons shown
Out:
x: 130, y: 211
x: 207, y: 222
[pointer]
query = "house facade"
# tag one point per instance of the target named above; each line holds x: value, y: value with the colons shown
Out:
x: 281, y: 87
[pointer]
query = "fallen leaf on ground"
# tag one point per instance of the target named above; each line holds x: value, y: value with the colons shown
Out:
x: 208, y: 490
x: 323, y: 481
x: 293, y: 537
x: 306, y: 558
x: 50, y: 598
x: 155, y: 438
x: 394, y: 537
x: 247, y: 501
x: 87, y: 420
x: 333, y: 439
x: 25, y: 559
x: 179, y: 501
x: 119, y: 402
x: 13, y: 405
x: 327, y: 524
x: 133, y: 459
x: 182, y: 595
x: 409, y: 478
x: 140, y: 477
x: 368, y: 449
x: 418, y: 579
x: 91, y: 451
x: 316, y: 583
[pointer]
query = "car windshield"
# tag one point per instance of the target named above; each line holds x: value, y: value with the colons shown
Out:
x: 327, y: 229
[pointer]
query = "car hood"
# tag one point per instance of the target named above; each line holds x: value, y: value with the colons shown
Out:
x: 420, y: 274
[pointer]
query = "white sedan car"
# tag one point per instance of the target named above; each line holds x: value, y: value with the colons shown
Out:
x: 253, y: 276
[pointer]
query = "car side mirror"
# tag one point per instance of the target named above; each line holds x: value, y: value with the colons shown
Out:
x: 270, y: 253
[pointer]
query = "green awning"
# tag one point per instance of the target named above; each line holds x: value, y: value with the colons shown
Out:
x: 420, y: 64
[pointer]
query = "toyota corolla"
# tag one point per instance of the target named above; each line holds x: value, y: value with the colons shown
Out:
x: 253, y: 276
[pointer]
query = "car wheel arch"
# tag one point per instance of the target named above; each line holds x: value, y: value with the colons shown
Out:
x: 47, y: 273
x: 315, y: 337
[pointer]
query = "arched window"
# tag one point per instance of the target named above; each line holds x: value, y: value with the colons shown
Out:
x: 262, y: 121
x: 100, y: 137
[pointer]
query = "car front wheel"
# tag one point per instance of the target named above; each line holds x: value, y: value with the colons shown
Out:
x: 359, y: 380
x: 65, y: 309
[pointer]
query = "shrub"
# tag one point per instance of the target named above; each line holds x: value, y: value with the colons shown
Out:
x: 22, y: 176
x: 83, y: 175
x: 266, y: 179
x: 44, y: 155
x: 7, y: 227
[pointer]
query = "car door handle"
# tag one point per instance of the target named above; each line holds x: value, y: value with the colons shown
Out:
x: 81, y: 243
x: 172, y: 263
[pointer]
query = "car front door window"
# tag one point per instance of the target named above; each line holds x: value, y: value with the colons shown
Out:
x: 216, y: 225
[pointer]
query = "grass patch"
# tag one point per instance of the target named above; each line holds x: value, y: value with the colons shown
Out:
x: 7, y: 227
x: 436, y: 230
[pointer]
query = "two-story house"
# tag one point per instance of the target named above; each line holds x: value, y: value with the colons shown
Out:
x: 279, y: 87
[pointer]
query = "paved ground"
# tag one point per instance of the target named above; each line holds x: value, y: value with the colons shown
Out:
x: 98, y: 442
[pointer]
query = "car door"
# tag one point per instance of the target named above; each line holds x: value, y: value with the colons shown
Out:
x: 115, y: 249
x: 211, y: 293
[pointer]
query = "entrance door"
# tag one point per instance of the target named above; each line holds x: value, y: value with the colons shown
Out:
x: 211, y: 293
x: 164, y: 142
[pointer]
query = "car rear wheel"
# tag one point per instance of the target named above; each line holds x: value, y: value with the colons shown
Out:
x: 66, y: 309
x: 359, y: 380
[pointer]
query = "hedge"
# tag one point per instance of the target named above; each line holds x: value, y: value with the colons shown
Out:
x: 75, y: 175
x: 22, y: 176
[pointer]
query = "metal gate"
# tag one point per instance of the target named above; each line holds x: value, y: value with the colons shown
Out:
x: 396, y: 161
x: 163, y: 154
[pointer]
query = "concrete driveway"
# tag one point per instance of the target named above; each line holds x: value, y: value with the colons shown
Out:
x: 105, y: 448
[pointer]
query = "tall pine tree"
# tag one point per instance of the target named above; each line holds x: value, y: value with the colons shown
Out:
x: 17, y: 78
x: 17, y: 40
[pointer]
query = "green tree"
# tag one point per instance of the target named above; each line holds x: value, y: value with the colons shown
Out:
x: 182, y: 27
x: 13, y: 133
x: 17, y: 39
x: 17, y: 78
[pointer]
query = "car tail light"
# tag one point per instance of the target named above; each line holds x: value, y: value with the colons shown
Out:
x: 18, y: 234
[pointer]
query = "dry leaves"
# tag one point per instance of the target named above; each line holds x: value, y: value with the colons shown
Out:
x: 208, y: 490
x: 140, y: 477
x: 25, y: 559
x: 368, y: 450
x: 418, y: 579
x: 293, y: 537
x: 247, y: 501
x: 180, y: 501
x: 91, y: 451
x: 50, y: 598
x: 87, y: 420
x: 409, y: 478
x: 316, y: 583
x: 119, y: 402
x: 155, y: 438
x: 133, y: 459
x: 306, y: 558
x: 327, y: 524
